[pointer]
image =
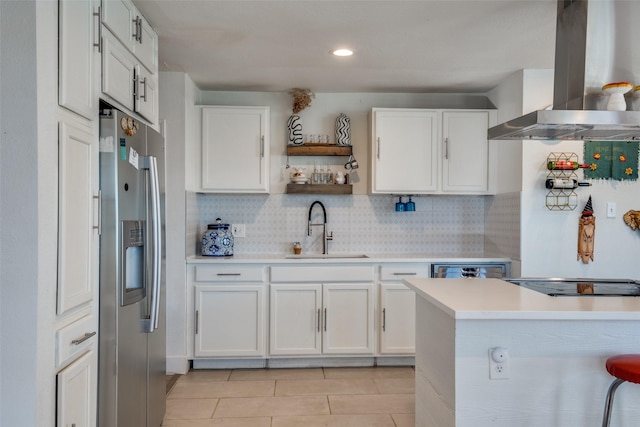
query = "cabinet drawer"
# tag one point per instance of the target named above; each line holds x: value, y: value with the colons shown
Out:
x: 399, y: 271
x: 317, y: 274
x: 74, y: 339
x: 229, y: 273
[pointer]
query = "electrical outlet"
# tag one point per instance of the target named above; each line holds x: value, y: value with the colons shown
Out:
x: 498, y: 363
x: 238, y: 230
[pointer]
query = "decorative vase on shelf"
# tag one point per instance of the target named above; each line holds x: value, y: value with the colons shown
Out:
x: 343, y: 130
x: 294, y: 125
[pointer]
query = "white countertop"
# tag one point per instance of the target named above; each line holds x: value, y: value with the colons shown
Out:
x: 341, y: 259
x: 497, y: 299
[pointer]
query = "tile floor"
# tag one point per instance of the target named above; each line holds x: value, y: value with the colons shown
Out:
x: 313, y: 397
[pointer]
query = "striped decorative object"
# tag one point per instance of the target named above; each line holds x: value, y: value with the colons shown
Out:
x: 294, y: 124
x: 343, y: 130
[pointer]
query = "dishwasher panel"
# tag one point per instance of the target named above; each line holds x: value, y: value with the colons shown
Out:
x: 492, y: 270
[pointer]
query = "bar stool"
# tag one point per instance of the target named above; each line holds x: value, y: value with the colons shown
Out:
x: 625, y: 367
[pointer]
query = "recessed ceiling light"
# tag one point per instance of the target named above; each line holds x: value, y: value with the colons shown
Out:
x: 342, y: 52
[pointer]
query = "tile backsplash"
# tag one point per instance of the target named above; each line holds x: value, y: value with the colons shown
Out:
x: 360, y: 223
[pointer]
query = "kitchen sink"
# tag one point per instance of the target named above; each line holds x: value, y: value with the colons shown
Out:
x: 327, y: 256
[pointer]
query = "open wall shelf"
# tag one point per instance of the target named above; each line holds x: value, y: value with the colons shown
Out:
x: 319, y: 150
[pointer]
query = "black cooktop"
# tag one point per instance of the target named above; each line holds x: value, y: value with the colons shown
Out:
x: 581, y: 287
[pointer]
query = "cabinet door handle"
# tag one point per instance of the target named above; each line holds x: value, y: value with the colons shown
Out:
x: 325, y: 320
x: 378, y: 149
x: 384, y: 319
x: 319, y: 321
x: 135, y: 28
x: 99, y: 16
x: 197, y: 320
x: 98, y: 209
x: 83, y: 338
x: 144, y: 86
x: 136, y: 96
x: 404, y: 274
x: 137, y: 36
x: 262, y: 146
x: 228, y: 274
x: 446, y: 148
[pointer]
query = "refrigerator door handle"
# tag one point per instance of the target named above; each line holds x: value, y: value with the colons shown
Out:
x: 151, y: 164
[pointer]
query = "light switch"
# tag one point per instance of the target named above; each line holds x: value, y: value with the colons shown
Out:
x: 611, y: 210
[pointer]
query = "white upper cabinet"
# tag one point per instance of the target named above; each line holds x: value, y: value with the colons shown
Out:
x: 145, y: 98
x: 129, y: 59
x: 132, y: 30
x: 404, y: 151
x: 118, y: 71
x: 119, y: 17
x: 78, y: 56
x: 465, y: 164
x: 235, y: 149
x: 147, y: 48
x: 417, y: 151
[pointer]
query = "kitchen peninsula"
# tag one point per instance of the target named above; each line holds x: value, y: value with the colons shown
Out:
x: 557, y: 347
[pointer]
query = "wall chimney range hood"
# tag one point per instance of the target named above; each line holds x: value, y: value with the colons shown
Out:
x: 594, y: 46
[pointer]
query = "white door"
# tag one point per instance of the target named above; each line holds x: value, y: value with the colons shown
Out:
x: 230, y: 320
x: 466, y: 151
x: 397, y: 319
x: 77, y: 243
x: 118, y: 71
x: 77, y: 57
x: 404, y: 151
x: 77, y: 392
x: 296, y: 319
x: 235, y: 149
x: 348, y: 318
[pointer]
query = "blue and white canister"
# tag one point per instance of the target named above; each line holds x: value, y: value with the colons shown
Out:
x: 343, y: 130
x: 217, y: 240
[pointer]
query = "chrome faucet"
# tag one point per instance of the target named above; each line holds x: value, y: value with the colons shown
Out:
x: 325, y: 235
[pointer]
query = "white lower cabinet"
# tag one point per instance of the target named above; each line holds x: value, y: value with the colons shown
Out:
x: 77, y: 392
x: 314, y: 319
x: 230, y: 320
x: 398, y: 319
x: 347, y: 318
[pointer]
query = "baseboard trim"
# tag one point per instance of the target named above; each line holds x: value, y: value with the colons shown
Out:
x: 303, y: 362
x: 177, y: 365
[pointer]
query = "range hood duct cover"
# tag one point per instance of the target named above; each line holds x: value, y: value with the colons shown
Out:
x: 590, y: 42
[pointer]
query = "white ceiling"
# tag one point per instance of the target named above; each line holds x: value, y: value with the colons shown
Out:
x: 429, y: 46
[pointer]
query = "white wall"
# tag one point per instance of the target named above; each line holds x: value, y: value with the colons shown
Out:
x: 28, y: 211
x: 549, y: 238
x: 177, y: 96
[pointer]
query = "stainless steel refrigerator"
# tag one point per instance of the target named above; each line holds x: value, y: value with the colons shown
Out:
x: 132, y: 346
